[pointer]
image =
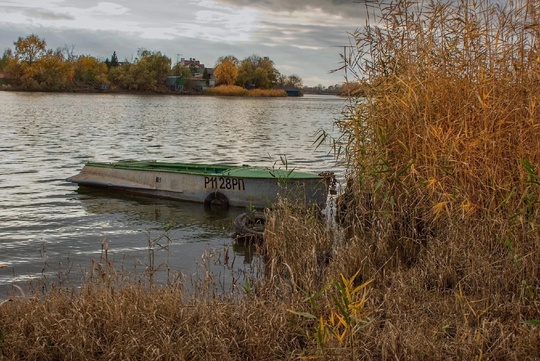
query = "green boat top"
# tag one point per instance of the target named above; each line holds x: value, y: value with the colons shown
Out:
x: 224, y: 170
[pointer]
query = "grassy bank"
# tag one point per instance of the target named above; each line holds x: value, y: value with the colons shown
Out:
x: 436, y: 255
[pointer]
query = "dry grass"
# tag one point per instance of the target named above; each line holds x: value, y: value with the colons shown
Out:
x: 233, y: 90
x: 436, y: 254
x: 267, y: 93
x: 114, y: 316
x: 226, y: 90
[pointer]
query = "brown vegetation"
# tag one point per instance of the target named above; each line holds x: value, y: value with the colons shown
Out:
x: 235, y: 90
x: 103, y: 322
x: 436, y: 254
x: 226, y: 90
x: 267, y: 93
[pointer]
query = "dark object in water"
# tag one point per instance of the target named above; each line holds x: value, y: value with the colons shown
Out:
x: 249, y: 228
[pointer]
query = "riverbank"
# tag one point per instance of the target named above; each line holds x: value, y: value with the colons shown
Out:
x: 163, y: 90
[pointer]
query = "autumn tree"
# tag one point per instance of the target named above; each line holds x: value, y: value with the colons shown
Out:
x: 148, y: 72
x: 245, y: 74
x: 181, y: 70
x: 257, y: 72
x: 293, y: 80
x: 271, y: 72
x: 30, y: 49
x: 35, y: 67
x: 121, y: 76
x: 152, y: 70
x: 52, y: 72
x: 6, y: 58
x: 261, y: 79
x: 226, y: 70
x: 68, y: 52
x: 89, y: 71
x: 15, y: 71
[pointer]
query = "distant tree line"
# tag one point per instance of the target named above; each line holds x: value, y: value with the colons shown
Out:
x: 252, y: 72
x: 32, y: 66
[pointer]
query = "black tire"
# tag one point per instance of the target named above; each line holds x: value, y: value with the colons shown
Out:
x: 215, y: 198
x: 249, y: 228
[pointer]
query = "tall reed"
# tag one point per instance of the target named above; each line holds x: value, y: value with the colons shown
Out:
x: 443, y: 151
x: 451, y: 112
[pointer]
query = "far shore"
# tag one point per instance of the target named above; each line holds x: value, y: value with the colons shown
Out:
x: 162, y: 91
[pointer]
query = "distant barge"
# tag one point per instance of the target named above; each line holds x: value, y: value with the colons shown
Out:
x: 210, y: 184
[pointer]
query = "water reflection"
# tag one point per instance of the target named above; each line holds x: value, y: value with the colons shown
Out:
x: 157, y: 212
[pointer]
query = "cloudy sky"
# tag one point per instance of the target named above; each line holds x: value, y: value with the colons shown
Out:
x: 302, y: 37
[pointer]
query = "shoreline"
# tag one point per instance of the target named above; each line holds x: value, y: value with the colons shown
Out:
x: 8, y: 88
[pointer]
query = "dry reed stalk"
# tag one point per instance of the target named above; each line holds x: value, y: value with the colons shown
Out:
x: 451, y: 107
x: 102, y: 322
x: 443, y: 190
x: 297, y: 246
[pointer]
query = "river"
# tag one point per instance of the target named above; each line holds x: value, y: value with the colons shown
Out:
x: 48, y: 226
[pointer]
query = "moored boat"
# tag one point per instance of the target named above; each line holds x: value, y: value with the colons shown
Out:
x: 225, y: 185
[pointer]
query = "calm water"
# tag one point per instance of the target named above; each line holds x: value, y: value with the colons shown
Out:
x: 48, y: 225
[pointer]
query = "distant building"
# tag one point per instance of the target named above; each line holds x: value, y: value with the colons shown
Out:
x: 202, y: 77
x: 192, y: 84
x: 192, y: 63
x: 175, y: 82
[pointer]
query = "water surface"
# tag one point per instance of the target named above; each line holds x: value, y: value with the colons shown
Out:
x: 48, y: 224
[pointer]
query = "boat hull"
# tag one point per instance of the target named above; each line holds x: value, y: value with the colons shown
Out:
x: 228, y: 185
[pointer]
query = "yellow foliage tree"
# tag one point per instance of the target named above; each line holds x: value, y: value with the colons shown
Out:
x: 90, y: 71
x: 53, y: 72
x: 30, y: 49
x: 226, y: 70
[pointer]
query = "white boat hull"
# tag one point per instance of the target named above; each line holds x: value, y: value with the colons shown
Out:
x: 207, y: 188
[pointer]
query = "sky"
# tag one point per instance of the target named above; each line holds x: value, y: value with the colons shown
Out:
x: 301, y: 37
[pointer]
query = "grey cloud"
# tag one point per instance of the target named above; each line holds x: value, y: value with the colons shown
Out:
x: 49, y: 15
x: 299, y: 35
x: 38, y: 13
x: 345, y: 8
